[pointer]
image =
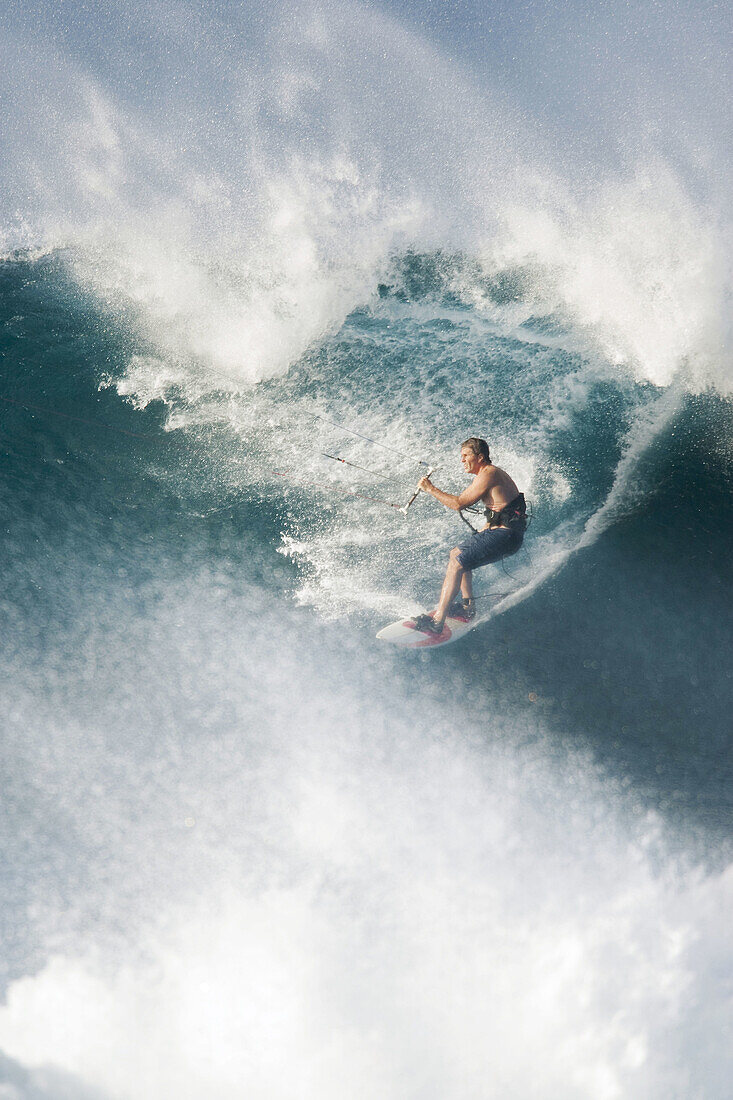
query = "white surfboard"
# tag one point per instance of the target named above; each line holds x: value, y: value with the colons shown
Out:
x: 405, y: 633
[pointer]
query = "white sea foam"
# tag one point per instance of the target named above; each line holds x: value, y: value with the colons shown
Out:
x: 243, y: 222
x: 305, y: 876
x: 434, y: 918
x: 640, y: 265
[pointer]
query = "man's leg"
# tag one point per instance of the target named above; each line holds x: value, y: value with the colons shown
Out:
x: 453, y: 577
x: 468, y: 608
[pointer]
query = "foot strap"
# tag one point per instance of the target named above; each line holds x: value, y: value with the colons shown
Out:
x: 426, y: 624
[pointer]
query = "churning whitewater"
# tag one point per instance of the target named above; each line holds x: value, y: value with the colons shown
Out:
x: 246, y: 850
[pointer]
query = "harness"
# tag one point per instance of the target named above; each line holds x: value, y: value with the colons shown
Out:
x: 512, y: 515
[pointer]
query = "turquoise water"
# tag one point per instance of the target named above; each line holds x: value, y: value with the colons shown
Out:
x: 248, y: 851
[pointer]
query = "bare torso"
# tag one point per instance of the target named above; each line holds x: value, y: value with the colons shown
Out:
x: 500, y: 491
x: 491, y: 486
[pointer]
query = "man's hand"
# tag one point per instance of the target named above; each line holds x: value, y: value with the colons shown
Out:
x: 425, y: 484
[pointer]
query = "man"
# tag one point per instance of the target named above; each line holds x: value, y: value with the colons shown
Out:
x: 506, y: 514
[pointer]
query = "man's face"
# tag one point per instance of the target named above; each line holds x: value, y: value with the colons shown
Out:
x: 469, y: 460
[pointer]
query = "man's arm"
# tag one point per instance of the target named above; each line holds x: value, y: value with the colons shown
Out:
x: 478, y: 487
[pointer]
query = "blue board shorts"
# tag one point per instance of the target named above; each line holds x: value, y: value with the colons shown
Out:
x: 490, y: 545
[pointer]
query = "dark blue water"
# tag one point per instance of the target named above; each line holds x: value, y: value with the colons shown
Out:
x: 246, y: 849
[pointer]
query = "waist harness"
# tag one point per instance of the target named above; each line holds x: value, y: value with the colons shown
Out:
x: 512, y: 515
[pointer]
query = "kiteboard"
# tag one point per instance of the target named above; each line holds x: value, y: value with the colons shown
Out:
x: 404, y: 633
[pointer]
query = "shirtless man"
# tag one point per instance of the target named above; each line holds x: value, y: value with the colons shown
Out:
x: 503, y: 534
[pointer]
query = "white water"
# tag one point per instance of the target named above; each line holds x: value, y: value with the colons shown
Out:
x: 377, y: 905
x: 242, y: 206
